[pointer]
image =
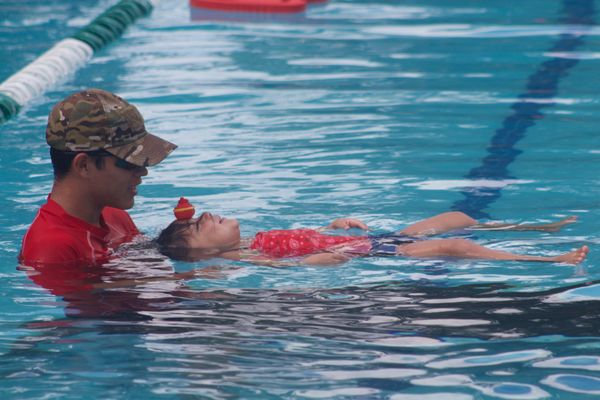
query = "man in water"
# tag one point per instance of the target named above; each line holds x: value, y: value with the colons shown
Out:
x: 99, y: 149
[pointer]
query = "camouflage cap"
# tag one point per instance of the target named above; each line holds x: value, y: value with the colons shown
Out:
x: 95, y: 119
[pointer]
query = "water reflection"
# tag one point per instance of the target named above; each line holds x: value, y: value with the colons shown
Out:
x: 391, y: 338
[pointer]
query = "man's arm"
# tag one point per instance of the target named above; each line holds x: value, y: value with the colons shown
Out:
x: 212, y: 272
x: 313, y: 259
x: 324, y: 259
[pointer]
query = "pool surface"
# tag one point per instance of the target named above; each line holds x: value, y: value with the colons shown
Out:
x: 388, y: 111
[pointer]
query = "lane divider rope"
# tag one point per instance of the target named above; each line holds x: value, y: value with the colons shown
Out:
x: 68, y: 55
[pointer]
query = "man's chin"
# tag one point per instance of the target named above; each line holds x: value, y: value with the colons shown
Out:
x: 123, y: 205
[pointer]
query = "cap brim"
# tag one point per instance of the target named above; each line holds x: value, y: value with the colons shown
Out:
x: 144, y: 152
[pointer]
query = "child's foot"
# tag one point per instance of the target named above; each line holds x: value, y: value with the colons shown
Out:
x: 573, y: 257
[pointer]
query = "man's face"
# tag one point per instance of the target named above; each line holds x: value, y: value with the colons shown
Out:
x: 115, y: 184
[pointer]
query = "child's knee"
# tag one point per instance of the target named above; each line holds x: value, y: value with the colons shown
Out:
x: 459, y: 215
x: 410, y: 250
x: 457, y: 247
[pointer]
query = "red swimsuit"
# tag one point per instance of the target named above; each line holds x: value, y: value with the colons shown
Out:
x: 297, y: 242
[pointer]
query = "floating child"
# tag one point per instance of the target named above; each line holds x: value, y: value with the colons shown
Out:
x: 211, y: 235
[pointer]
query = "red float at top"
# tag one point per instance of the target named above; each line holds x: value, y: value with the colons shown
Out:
x: 184, y: 209
x: 257, y: 6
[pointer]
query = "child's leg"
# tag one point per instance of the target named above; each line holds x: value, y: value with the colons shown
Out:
x: 462, y: 248
x: 499, y: 226
x: 449, y: 221
x: 439, y: 224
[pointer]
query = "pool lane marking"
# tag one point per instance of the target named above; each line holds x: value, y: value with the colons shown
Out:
x: 68, y: 55
x: 542, y: 86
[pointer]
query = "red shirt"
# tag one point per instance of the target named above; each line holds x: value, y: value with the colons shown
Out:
x: 297, y: 242
x: 56, y: 237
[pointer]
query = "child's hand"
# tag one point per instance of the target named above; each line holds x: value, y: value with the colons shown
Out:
x: 347, y: 223
x: 325, y: 259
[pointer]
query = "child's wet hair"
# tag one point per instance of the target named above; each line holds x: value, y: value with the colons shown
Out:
x: 173, y: 236
x: 171, y: 242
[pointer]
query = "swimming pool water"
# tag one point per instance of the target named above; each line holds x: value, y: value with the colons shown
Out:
x: 382, y: 110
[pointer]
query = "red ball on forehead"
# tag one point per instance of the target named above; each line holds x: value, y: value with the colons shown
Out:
x: 184, y: 209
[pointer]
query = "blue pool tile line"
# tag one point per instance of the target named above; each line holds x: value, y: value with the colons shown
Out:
x: 541, y: 85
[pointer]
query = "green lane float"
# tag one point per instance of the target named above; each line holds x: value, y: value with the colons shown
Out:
x: 68, y: 55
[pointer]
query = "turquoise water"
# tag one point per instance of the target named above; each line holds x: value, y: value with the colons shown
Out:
x: 382, y: 110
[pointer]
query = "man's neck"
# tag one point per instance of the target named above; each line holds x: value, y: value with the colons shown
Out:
x: 76, y: 202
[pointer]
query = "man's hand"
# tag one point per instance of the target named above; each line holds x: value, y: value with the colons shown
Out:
x: 348, y: 223
x: 325, y: 259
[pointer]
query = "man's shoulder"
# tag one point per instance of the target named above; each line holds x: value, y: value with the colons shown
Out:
x: 52, y: 238
x: 51, y: 225
x: 49, y: 245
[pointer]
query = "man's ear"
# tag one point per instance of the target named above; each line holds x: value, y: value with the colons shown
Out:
x: 82, y: 164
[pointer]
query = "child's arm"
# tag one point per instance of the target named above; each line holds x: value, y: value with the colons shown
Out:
x: 345, y: 223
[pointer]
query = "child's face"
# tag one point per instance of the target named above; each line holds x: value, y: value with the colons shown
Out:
x: 212, y: 232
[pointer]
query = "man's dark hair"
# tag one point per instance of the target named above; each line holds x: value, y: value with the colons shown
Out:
x: 62, y: 160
